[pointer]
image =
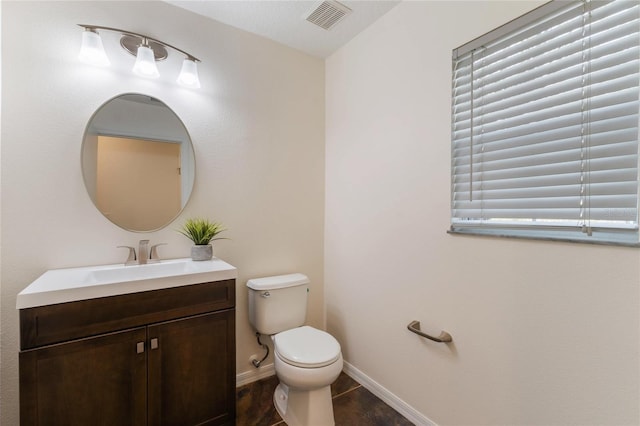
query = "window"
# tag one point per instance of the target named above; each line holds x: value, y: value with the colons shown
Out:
x: 545, y: 115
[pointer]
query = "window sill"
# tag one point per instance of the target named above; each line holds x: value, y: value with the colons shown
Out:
x: 599, y: 238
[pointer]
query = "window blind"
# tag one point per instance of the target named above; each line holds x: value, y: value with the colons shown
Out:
x: 545, y: 125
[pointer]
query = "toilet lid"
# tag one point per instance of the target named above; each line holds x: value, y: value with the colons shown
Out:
x: 307, y: 347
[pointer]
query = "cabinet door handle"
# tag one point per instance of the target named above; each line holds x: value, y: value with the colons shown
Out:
x: 154, y: 343
x: 140, y: 347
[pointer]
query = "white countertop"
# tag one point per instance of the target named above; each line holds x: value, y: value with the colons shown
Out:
x: 90, y: 282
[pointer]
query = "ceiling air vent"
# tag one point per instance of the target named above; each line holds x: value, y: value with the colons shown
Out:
x: 327, y: 14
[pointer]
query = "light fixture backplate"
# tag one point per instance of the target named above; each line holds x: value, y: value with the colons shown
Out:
x: 130, y: 44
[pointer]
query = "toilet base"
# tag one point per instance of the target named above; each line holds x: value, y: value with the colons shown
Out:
x: 304, y: 407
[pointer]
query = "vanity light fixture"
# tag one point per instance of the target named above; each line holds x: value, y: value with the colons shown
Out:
x: 147, y: 51
x: 92, y: 50
x: 145, y: 65
x: 189, y: 74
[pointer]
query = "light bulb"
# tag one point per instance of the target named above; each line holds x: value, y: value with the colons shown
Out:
x: 145, y: 65
x: 92, y: 51
x: 189, y: 74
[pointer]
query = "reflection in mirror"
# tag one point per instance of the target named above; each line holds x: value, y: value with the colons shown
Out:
x: 138, y: 162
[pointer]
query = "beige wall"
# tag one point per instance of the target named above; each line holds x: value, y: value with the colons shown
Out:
x: 257, y: 127
x: 544, y: 333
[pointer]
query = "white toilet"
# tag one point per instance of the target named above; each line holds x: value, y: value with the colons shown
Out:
x: 307, y: 360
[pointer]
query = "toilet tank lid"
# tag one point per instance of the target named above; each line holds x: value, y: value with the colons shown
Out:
x: 278, y: 281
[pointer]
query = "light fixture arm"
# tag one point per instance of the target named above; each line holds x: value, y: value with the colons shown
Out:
x: 142, y: 36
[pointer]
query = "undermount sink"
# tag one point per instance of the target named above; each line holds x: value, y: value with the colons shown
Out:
x: 71, y: 284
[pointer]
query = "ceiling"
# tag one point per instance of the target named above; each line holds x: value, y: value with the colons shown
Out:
x: 284, y: 21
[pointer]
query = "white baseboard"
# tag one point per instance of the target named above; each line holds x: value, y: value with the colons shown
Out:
x: 254, y: 375
x: 389, y: 398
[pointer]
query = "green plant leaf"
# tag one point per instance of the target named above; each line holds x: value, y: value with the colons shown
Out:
x: 201, y: 231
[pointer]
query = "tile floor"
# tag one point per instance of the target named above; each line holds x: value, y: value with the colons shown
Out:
x: 353, y: 405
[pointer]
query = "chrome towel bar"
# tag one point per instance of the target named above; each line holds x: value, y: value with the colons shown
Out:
x: 444, y: 337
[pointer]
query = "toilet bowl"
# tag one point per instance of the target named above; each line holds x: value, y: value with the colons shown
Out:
x: 307, y: 360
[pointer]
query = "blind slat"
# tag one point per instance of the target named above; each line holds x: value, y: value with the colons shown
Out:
x: 545, y: 121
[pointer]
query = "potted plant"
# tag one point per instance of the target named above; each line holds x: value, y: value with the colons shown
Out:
x: 201, y: 232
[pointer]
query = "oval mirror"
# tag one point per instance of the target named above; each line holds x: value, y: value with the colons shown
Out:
x: 137, y: 162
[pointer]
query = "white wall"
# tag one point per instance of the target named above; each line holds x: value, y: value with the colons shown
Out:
x: 544, y: 333
x: 257, y: 127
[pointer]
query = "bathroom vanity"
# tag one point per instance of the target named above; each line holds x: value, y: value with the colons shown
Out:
x: 146, y: 348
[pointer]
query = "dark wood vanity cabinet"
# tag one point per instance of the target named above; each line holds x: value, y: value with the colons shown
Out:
x: 162, y: 357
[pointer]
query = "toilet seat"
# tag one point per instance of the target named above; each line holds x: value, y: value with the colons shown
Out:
x: 307, y: 347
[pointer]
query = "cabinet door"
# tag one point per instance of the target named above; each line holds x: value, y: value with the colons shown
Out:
x: 95, y: 381
x: 192, y: 370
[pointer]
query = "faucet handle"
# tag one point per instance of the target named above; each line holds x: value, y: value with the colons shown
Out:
x: 132, y: 254
x: 153, y: 253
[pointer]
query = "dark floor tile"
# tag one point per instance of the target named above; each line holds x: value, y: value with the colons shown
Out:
x: 343, y: 384
x: 361, y: 407
x: 353, y: 405
x: 254, y: 403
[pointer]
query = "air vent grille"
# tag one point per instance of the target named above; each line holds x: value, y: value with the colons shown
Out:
x: 327, y: 14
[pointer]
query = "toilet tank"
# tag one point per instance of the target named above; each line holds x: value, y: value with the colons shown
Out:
x: 278, y: 303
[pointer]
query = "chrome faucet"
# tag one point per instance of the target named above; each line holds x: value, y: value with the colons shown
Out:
x: 143, y: 252
x: 144, y: 256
